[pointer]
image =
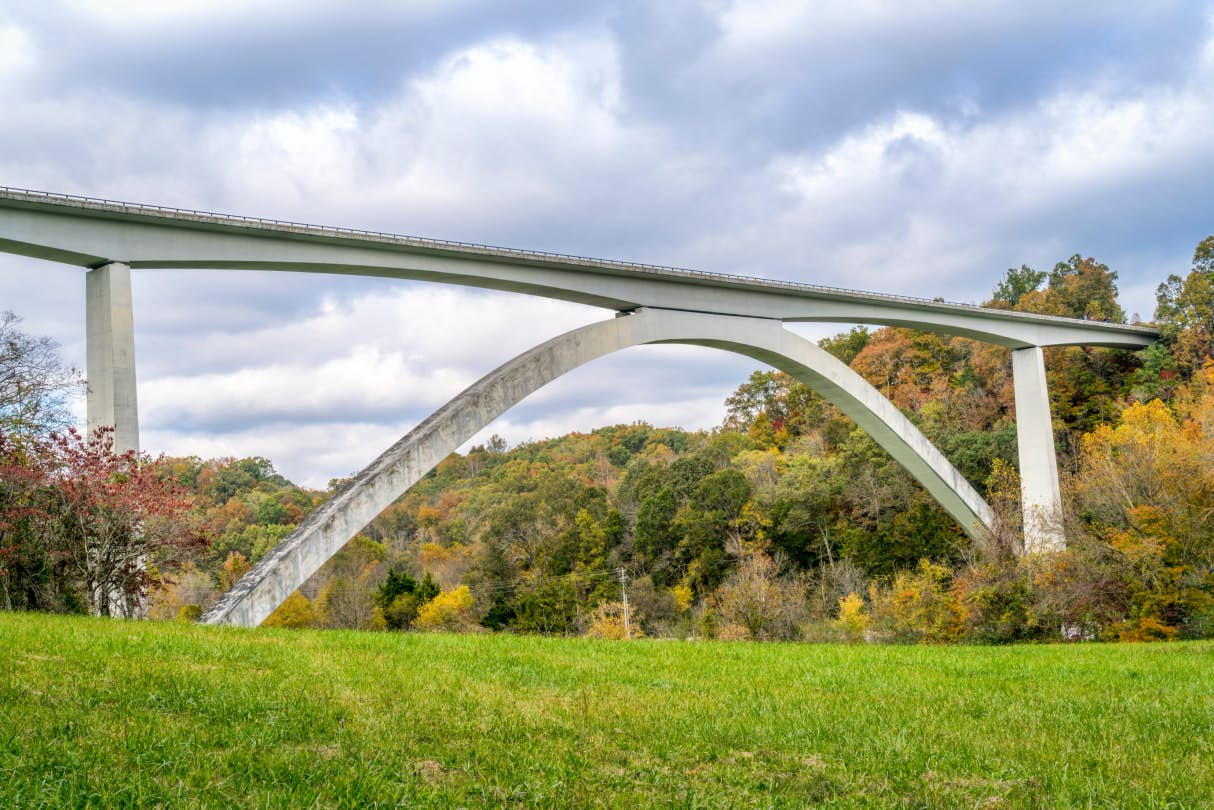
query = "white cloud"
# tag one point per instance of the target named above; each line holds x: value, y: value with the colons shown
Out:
x: 910, y: 204
x: 633, y: 386
x: 536, y: 142
x: 403, y: 351
x: 17, y: 54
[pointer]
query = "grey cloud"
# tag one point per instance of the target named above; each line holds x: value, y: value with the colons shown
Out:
x: 278, y: 57
x: 949, y: 62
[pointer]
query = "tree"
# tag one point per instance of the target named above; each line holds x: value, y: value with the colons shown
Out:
x: 607, y: 621
x: 295, y: 612
x: 234, y: 567
x: 400, y: 597
x: 1078, y: 288
x: 704, y: 524
x: 654, y: 535
x: 756, y: 602
x: 1147, y: 490
x: 782, y: 404
x: 84, y: 523
x: 846, y: 345
x: 918, y: 605
x: 1017, y: 284
x: 35, y: 385
x: 1203, y: 256
x: 1185, y: 310
x: 451, y: 611
x: 852, y: 622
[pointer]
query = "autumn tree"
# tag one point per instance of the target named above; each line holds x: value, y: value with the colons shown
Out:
x: 85, y: 522
x: 400, y: 596
x: 1185, y: 310
x: 756, y: 601
x: 1147, y: 489
x: 1076, y: 288
x: 614, y: 621
x: 294, y: 613
x: 451, y: 611
x: 917, y: 605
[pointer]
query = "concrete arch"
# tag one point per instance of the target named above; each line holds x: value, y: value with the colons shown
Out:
x: 323, y: 534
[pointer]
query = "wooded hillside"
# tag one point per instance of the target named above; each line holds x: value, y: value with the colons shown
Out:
x: 785, y: 522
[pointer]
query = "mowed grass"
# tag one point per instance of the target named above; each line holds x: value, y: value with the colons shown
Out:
x: 107, y: 713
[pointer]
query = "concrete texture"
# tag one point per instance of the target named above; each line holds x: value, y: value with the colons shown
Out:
x: 110, y: 332
x: 323, y: 534
x: 1039, y: 492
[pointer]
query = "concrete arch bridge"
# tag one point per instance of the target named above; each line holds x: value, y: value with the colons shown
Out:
x: 649, y: 304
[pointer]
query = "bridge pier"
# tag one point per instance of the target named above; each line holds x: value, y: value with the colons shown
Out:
x: 110, y: 362
x: 1040, y: 496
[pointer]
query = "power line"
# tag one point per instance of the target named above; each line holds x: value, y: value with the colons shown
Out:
x: 624, y: 592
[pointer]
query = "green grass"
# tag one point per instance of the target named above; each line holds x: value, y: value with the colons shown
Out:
x: 99, y: 713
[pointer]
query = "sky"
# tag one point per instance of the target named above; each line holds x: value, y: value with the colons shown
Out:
x: 919, y: 148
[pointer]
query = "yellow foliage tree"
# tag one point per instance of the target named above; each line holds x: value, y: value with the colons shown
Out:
x: 293, y: 613
x: 1148, y: 485
x: 919, y: 606
x: 683, y: 596
x: 607, y: 622
x: 852, y: 622
x: 450, y: 611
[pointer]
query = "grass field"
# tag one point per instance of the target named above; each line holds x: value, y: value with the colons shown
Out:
x: 100, y: 713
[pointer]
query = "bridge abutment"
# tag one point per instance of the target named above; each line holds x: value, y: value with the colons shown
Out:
x: 110, y: 361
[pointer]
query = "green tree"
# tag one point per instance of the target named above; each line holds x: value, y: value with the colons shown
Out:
x: 1185, y: 310
x: 1017, y: 284
x: 846, y: 345
x: 704, y: 523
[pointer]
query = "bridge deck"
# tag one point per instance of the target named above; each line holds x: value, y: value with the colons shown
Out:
x: 732, y: 294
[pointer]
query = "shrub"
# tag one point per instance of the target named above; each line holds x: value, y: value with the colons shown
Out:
x: 293, y: 613
x: 607, y: 622
x: 451, y: 611
x: 918, y: 606
x: 852, y: 622
x: 756, y: 602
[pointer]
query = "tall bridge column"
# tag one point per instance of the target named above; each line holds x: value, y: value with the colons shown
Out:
x: 110, y: 331
x: 1039, y: 491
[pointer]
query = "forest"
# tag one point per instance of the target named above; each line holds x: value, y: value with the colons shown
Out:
x: 785, y: 522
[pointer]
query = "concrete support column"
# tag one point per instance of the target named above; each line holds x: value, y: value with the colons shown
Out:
x: 1039, y: 491
x: 110, y: 331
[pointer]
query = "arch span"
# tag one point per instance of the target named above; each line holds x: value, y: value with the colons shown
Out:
x: 327, y: 529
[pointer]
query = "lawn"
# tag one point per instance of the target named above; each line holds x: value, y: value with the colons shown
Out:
x: 108, y: 713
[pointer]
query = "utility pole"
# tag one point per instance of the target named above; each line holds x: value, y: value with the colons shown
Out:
x: 624, y: 592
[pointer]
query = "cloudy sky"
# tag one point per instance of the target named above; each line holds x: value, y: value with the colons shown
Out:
x: 910, y: 147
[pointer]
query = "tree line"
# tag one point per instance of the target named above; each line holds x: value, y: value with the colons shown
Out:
x: 786, y: 522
